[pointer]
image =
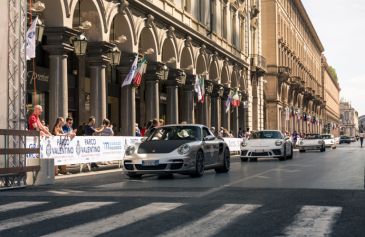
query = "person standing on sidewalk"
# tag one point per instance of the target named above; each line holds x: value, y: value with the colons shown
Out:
x: 361, y: 135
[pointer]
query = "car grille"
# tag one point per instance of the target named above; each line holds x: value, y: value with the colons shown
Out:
x: 128, y: 166
x: 277, y: 152
x: 156, y: 167
x: 244, y: 152
x: 259, y: 154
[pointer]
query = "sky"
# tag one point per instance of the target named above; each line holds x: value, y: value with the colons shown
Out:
x: 341, y: 28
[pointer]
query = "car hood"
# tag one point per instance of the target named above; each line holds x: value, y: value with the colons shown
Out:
x: 261, y: 142
x: 160, y: 146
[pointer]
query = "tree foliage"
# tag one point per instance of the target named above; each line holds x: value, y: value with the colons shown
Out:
x: 333, y: 72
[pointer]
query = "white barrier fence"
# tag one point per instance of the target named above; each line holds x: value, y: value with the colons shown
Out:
x: 87, y: 149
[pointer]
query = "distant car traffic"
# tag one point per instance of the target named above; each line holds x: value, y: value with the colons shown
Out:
x: 267, y: 143
x: 312, y: 142
x: 345, y: 139
x: 329, y: 140
x: 184, y: 149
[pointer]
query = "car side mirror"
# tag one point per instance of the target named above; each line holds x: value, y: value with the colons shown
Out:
x: 209, y: 138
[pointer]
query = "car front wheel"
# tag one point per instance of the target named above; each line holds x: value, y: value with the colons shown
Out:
x: 199, y: 165
x: 226, y: 163
x: 291, y: 153
x: 283, y: 158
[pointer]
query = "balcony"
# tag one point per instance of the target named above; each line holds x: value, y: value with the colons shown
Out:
x: 258, y: 64
x: 284, y: 73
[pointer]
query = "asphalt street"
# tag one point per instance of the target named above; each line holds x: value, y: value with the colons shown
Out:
x: 315, y: 194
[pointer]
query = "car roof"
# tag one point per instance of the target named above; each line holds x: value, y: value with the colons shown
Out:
x: 183, y: 125
x: 268, y: 131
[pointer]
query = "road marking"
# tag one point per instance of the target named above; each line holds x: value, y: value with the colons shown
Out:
x: 19, y: 205
x: 45, y: 215
x: 314, y: 221
x: 102, y: 226
x: 213, y: 222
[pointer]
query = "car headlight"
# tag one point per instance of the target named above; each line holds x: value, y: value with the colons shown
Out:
x: 130, y: 150
x: 243, y: 144
x: 278, y: 143
x: 184, y: 149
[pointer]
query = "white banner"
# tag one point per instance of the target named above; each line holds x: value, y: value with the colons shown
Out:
x: 87, y: 149
x: 234, y: 144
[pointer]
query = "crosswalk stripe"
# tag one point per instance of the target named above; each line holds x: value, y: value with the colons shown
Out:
x: 41, y: 216
x: 213, y: 222
x: 116, y: 221
x: 314, y: 221
x: 19, y: 205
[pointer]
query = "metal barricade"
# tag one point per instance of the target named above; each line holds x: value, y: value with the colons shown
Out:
x: 13, y: 168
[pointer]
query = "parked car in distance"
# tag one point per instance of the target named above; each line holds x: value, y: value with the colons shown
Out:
x: 329, y: 140
x: 312, y: 142
x: 345, y: 139
x: 183, y: 149
x: 267, y: 144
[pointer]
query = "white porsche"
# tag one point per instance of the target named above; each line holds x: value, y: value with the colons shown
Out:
x: 312, y: 142
x: 267, y: 144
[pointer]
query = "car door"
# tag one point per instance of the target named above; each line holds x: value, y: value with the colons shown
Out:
x: 209, y: 146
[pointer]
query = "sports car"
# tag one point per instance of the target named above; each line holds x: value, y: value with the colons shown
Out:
x: 312, y: 142
x: 184, y: 149
x: 267, y: 143
x: 329, y: 140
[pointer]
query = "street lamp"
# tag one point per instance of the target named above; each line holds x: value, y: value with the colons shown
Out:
x: 80, y: 43
x: 39, y: 30
x: 114, y: 55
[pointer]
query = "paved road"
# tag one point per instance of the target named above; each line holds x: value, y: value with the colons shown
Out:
x: 315, y: 194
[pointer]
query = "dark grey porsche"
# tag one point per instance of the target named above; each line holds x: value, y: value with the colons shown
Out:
x: 183, y: 149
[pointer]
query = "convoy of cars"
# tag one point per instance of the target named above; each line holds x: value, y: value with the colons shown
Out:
x: 192, y: 149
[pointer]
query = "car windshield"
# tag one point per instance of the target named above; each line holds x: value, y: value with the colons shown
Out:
x: 267, y: 135
x: 190, y: 133
x: 313, y: 136
x: 326, y: 136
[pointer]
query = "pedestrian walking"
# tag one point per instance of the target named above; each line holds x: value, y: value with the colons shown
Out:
x: 361, y: 135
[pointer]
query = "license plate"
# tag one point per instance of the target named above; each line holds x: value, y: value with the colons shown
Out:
x: 150, y: 162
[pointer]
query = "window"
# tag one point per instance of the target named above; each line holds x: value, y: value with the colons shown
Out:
x: 242, y: 33
x: 206, y: 132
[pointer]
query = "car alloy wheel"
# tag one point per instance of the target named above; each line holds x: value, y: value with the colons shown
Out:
x: 283, y: 158
x: 199, y: 165
x: 226, y: 163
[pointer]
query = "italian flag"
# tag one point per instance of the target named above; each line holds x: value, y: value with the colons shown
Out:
x: 235, y: 100
x: 140, y: 71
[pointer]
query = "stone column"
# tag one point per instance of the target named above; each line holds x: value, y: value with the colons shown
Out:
x: 218, y: 91
x: 176, y: 78
x: 127, y: 98
x: 58, y: 46
x: 155, y: 72
x: 98, y: 61
x: 188, y: 94
x: 235, y: 125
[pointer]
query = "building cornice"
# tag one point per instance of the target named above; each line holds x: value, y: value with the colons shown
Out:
x: 309, y: 24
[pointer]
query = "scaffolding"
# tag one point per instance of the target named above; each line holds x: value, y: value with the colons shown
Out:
x: 17, y: 25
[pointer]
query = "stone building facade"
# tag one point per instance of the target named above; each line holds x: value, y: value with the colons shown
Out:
x: 331, y: 92
x: 217, y: 40
x: 293, y: 84
x: 349, y: 119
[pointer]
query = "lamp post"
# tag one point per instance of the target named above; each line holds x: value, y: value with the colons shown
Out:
x: 80, y: 44
x: 114, y: 56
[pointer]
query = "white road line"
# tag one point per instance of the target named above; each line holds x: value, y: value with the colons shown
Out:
x: 19, y: 205
x: 212, y: 223
x: 105, y: 225
x: 314, y: 221
x: 45, y: 215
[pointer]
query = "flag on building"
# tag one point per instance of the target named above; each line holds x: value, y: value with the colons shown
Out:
x: 132, y: 72
x: 197, y: 88
x: 202, y: 88
x: 30, y: 44
x: 235, y: 100
x: 228, y: 103
x: 142, y: 66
